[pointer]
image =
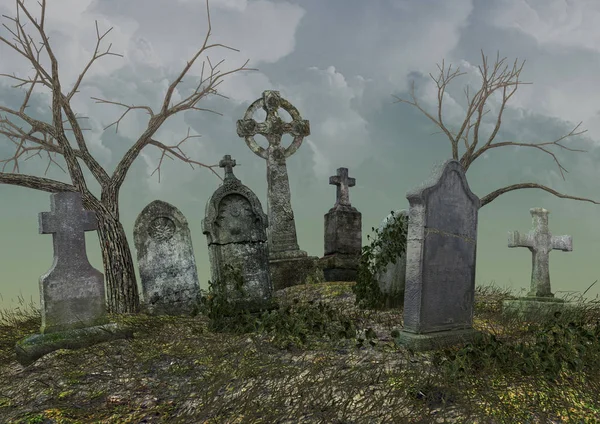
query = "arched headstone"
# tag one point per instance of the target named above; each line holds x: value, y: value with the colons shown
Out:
x: 166, y: 260
x: 235, y: 228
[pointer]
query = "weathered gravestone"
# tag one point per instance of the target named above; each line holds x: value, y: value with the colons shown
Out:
x: 289, y: 265
x: 72, y: 292
x: 343, y: 233
x: 235, y: 228
x: 540, y: 300
x: 392, y: 279
x: 440, y: 261
x: 166, y: 260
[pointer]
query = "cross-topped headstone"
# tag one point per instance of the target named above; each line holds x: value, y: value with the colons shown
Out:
x: 343, y: 182
x: 67, y: 223
x: 283, y: 241
x: 72, y: 292
x: 540, y: 242
x: 228, y: 164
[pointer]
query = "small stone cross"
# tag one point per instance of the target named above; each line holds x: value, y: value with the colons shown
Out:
x: 67, y: 222
x: 540, y: 242
x: 228, y: 164
x: 343, y: 182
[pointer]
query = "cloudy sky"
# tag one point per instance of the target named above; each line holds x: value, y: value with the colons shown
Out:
x: 339, y: 62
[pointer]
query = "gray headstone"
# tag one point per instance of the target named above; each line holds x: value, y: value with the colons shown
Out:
x: 343, y: 233
x: 289, y: 265
x: 72, y: 293
x: 540, y: 301
x: 235, y: 228
x: 166, y: 260
x: 540, y: 242
x: 440, y: 261
x: 392, y: 279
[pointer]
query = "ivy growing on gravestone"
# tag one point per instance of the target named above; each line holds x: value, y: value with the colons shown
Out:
x: 383, y: 250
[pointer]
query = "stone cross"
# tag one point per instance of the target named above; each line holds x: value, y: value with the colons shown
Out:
x: 343, y: 182
x: 67, y: 223
x: 540, y: 242
x: 72, y: 292
x: 283, y: 241
x: 228, y: 164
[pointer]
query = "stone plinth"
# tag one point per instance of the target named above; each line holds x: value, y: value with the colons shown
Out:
x: 295, y: 271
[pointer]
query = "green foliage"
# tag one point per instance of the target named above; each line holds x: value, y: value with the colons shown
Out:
x: 290, y: 326
x: 384, y: 249
x: 557, y: 347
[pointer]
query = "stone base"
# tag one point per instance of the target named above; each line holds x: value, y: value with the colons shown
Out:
x: 438, y: 339
x: 526, y: 308
x: 339, y: 267
x: 295, y: 271
x: 34, y: 347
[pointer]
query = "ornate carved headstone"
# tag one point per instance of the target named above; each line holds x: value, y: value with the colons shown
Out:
x: 166, y: 260
x: 440, y: 261
x: 72, y: 292
x: 343, y: 233
x: 392, y: 279
x: 289, y: 265
x: 235, y: 228
x: 540, y: 242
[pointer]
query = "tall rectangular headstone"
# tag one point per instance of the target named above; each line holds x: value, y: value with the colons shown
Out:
x: 166, y: 260
x: 72, y: 293
x: 343, y: 233
x: 440, y: 261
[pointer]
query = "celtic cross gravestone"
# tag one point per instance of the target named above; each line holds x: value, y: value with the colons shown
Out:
x: 289, y: 264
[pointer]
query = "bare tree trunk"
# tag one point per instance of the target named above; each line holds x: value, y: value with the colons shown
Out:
x: 119, y: 274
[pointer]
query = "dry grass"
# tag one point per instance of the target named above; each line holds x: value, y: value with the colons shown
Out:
x: 177, y: 371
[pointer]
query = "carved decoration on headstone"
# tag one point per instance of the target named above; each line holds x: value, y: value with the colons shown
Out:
x: 166, y: 260
x: 235, y: 228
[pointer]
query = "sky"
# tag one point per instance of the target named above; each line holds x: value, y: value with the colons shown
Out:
x: 339, y: 62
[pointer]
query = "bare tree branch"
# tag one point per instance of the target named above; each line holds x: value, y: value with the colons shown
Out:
x: 498, y: 78
x: 491, y: 196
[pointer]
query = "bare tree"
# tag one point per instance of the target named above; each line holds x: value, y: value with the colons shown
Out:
x: 499, y: 79
x: 122, y: 292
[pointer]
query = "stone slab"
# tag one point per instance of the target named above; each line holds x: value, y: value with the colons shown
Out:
x: 34, y: 347
x: 339, y: 267
x: 441, y: 339
x: 295, y: 271
x: 527, y: 308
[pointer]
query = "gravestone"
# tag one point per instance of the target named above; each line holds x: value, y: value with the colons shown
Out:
x: 289, y: 265
x: 539, y: 300
x: 166, y: 260
x: 343, y: 233
x: 72, y: 293
x: 235, y: 228
x: 392, y: 279
x: 440, y: 261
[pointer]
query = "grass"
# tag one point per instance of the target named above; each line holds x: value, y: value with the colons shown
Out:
x: 317, y: 359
